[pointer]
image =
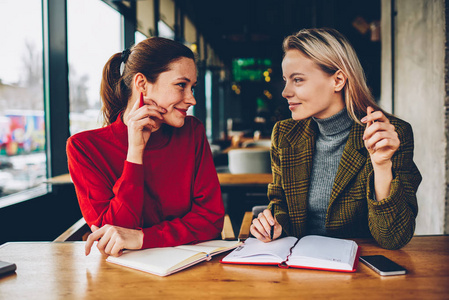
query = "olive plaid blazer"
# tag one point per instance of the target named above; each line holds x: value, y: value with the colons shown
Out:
x: 352, y: 211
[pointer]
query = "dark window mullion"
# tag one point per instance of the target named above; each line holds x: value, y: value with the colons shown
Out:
x: 56, y: 85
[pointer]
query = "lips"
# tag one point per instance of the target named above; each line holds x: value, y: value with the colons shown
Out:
x: 292, y: 105
x: 182, y: 111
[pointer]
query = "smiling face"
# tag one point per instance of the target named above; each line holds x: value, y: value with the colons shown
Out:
x: 173, y: 90
x: 310, y: 91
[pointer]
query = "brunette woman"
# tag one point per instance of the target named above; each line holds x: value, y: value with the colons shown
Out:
x: 147, y: 178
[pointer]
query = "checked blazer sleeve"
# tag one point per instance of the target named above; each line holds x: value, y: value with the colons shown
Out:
x: 275, y: 191
x: 392, y: 220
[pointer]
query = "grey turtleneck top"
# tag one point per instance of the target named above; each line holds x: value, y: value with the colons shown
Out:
x: 330, y: 142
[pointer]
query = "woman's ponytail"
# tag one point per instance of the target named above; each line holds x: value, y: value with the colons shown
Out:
x: 113, y: 92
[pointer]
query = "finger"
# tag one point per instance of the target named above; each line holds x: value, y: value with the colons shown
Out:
x: 149, y: 111
x: 117, y: 250
x: 376, y: 127
x: 265, y: 223
x: 143, y: 123
x: 155, y: 111
x: 259, y: 226
x: 104, y: 241
x: 92, y: 238
x: 374, y: 116
x: 159, y: 108
x: 277, y: 231
x: 374, y: 136
x: 257, y: 234
x: 108, y: 247
x: 386, y: 144
x: 94, y: 228
x: 135, y: 106
x: 270, y: 218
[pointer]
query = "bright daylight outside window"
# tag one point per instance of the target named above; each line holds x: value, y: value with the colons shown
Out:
x: 93, y: 37
x: 22, y: 125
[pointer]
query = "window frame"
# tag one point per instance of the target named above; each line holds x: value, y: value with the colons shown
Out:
x: 56, y: 88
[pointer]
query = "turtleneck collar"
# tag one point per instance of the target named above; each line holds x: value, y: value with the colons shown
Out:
x: 335, y: 124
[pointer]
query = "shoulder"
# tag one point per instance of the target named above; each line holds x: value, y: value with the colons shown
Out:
x: 288, y: 131
x: 84, y: 138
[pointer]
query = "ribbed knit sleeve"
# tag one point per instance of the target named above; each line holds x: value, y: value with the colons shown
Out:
x: 102, y: 199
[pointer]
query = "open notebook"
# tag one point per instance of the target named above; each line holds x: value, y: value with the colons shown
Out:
x: 310, y: 252
x: 169, y: 260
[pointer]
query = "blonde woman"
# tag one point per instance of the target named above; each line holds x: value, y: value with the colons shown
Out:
x: 341, y: 166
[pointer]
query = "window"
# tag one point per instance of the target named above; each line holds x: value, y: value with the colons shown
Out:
x: 22, y: 123
x: 165, y: 31
x: 88, y: 53
x: 138, y: 37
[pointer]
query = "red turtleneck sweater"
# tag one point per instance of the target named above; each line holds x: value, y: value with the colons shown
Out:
x: 174, y: 197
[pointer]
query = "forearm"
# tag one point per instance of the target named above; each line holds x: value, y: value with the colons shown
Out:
x: 120, y: 205
x: 192, y: 228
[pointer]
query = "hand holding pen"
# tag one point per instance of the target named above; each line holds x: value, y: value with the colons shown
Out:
x: 381, y: 140
x: 142, y: 119
x: 380, y: 137
x: 265, y: 227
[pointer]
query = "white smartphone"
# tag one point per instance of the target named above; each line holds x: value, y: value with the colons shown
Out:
x: 383, y: 265
x: 6, y: 267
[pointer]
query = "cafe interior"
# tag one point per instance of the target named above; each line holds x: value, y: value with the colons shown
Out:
x: 238, y: 93
x: 60, y: 48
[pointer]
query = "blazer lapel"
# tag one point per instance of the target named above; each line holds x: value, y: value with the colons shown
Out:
x: 296, y: 164
x: 351, y: 162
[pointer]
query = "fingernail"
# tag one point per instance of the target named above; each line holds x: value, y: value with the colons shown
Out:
x: 164, y: 110
x: 154, y: 103
x: 271, y: 222
x: 363, y: 120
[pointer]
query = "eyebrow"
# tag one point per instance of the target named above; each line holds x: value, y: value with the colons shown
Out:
x: 186, y: 79
x: 296, y: 74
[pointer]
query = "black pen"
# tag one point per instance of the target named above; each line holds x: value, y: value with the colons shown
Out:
x: 272, y: 226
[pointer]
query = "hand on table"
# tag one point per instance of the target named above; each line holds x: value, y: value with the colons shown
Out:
x: 112, y: 240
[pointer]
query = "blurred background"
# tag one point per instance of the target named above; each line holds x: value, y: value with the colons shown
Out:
x: 53, y: 51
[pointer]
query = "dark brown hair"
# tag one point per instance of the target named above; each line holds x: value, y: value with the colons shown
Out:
x: 151, y: 57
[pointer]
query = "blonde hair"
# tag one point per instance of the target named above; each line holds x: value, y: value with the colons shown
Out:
x: 331, y: 51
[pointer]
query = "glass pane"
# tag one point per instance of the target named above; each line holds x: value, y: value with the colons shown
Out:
x: 165, y: 31
x: 22, y: 125
x: 138, y: 37
x: 93, y: 37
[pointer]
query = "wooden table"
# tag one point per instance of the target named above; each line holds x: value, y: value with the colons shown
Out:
x: 61, y: 271
x: 224, y: 178
x: 228, y: 179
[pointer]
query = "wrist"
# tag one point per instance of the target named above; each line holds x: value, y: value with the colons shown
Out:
x: 135, y: 156
x: 383, y: 167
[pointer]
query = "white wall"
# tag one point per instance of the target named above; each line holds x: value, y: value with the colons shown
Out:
x: 419, y: 94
